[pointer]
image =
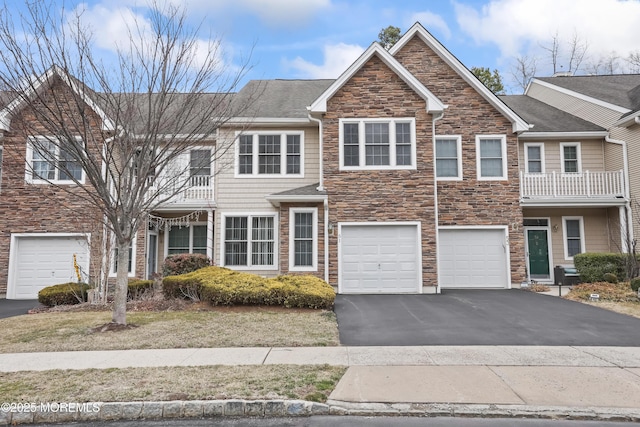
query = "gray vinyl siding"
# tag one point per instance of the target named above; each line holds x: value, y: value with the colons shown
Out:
x: 591, y: 155
x: 632, y: 136
x: 596, y: 228
x: 246, y: 195
x: 591, y: 112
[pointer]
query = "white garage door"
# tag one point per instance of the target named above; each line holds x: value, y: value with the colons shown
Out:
x: 473, y: 258
x: 38, y: 262
x: 379, y: 259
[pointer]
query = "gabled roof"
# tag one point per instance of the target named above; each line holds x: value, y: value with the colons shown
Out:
x: 519, y: 125
x: 433, y: 103
x: 621, y: 90
x: 308, y: 194
x: 279, y: 99
x: 546, y: 118
x: 43, y: 81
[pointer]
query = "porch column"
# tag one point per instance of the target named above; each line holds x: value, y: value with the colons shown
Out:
x: 210, y: 220
x: 624, y: 237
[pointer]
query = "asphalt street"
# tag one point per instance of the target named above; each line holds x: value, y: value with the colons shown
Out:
x: 480, y: 317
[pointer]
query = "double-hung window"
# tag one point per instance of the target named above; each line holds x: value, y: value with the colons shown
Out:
x: 377, y: 144
x: 491, y: 152
x: 534, y: 158
x: 448, y: 158
x: 249, y: 241
x: 573, y: 228
x: 267, y: 154
x: 50, y: 160
x: 303, y: 235
x: 570, y: 156
x: 132, y: 259
x: 191, y: 239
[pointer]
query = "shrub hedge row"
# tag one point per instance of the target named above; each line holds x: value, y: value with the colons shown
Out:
x: 63, y: 294
x: 184, y: 263
x: 593, y: 267
x: 221, y: 286
x: 75, y: 293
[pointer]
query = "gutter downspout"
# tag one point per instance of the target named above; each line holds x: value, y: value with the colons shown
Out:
x: 627, y: 191
x: 326, y: 200
x: 435, y: 196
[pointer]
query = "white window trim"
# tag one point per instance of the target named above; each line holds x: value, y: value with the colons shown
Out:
x: 503, y: 145
x: 526, y: 156
x: 249, y: 267
x: 190, y: 226
x: 292, y: 266
x: 255, y: 156
x: 132, y: 273
x: 458, y: 139
x: 29, y: 165
x: 564, y: 235
x: 392, y: 143
x: 578, y: 155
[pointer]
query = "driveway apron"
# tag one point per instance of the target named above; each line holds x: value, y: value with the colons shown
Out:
x: 480, y: 317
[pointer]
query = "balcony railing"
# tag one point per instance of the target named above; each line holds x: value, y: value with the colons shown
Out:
x: 584, y: 185
x: 198, y: 188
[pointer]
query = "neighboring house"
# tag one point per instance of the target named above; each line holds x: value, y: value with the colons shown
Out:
x: 404, y: 175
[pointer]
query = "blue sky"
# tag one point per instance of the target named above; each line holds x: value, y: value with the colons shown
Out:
x: 320, y: 38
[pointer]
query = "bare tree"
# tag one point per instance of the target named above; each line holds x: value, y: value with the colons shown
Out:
x: 118, y: 129
x: 554, y: 51
x: 633, y: 59
x: 522, y: 70
x: 577, y: 51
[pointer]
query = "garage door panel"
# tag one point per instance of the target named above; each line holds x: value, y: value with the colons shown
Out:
x: 473, y: 258
x: 379, y: 259
x: 41, y: 261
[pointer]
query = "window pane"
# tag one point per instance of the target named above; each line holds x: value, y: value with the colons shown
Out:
x: 245, y: 157
x: 403, y: 133
x: 403, y: 155
x: 574, y: 245
x: 179, y: 240
x: 199, y: 243
x: 269, y: 154
x: 303, y: 239
x: 491, y: 158
x: 403, y: 144
x: 293, y: 154
x: 534, y: 155
x: 351, y: 144
x: 262, y: 249
x: 446, y: 158
x: 573, y: 228
x: 43, y: 159
x: 235, y: 245
x: 570, y: 158
x: 377, y: 144
x: 200, y: 162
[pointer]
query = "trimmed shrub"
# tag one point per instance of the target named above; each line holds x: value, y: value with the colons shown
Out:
x: 619, y: 292
x: 63, y: 294
x: 184, y: 263
x: 137, y: 288
x: 610, y: 278
x: 635, y: 284
x: 593, y: 266
x: 221, y: 286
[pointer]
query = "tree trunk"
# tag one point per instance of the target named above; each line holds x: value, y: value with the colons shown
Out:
x: 122, y: 282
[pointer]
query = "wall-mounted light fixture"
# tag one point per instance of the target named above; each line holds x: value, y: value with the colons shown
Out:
x: 555, y: 228
x: 331, y: 227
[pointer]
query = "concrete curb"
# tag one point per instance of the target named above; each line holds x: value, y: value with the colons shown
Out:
x: 110, y: 411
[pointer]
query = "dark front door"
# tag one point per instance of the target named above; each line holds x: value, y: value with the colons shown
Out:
x: 538, y: 247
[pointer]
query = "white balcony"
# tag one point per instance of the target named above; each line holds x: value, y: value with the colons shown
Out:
x: 596, y: 186
x: 197, y: 190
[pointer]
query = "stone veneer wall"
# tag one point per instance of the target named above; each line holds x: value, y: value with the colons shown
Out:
x: 471, y: 202
x: 380, y: 195
x: 41, y: 208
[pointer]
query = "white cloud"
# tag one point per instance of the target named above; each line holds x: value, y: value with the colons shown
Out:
x: 337, y: 58
x: 432, y: 22
x: 521, y: 26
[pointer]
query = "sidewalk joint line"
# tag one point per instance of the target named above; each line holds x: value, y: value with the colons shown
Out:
x: 266, y: 356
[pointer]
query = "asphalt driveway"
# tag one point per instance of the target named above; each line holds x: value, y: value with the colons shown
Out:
x: 16, y: 307
x: 480, y: 317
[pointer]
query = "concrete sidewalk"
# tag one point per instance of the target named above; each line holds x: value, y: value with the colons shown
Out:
x: 591, y: 380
